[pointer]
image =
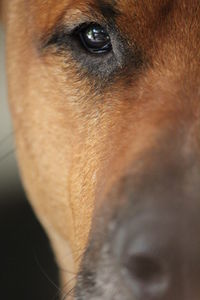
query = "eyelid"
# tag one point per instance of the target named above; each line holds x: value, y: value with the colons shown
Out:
x: 64, y: 31
x: 73, y: 17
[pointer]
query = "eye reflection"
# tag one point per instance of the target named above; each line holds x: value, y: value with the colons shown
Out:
x: 95, y: 39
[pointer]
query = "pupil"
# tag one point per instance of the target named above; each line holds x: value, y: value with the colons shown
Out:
x: 96, y: 39
x: 97, y: 36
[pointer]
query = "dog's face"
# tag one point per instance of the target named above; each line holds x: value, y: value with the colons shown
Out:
x: 105, y: 97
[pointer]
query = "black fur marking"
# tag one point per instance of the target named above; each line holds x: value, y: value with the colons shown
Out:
x: 118, y: 63
x: 108, y: 10
x: 102, y: 69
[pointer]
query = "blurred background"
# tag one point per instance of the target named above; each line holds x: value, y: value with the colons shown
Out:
x: 28, y: 269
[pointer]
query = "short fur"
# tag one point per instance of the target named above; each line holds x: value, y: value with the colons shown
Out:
x: 80, y: 131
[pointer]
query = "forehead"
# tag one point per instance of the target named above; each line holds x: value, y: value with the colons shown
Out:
x: 128, y: 7
x: 112, y: 9
x: 123, y: 6
x: 132, y: 17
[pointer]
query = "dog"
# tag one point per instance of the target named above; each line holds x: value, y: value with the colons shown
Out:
x: 105, y: 101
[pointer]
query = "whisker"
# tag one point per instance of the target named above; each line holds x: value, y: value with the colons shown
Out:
x: 63, y: 293
x: 77, y: 259
x: 69, y: 293
x: 6, y: 155
x: 60, y: 292
x: 73, y: 288
x: 46, y: 275
x: 6, y: 138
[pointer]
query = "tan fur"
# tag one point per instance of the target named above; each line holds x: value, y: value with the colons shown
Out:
x: 72, y: 145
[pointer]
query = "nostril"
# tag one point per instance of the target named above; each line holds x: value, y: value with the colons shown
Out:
x: 147, y: 276
x: 144, y: 268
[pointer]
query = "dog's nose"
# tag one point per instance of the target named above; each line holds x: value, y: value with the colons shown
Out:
x: 143, y: 250
x: 159, y: 254
x: 148, y: 275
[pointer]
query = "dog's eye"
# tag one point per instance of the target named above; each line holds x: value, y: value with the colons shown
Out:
x: 95, y: 38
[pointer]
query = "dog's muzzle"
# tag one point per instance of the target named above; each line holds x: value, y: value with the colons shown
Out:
x: 146, y: 246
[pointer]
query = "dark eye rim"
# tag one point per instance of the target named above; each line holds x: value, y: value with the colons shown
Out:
x: 79, y: 33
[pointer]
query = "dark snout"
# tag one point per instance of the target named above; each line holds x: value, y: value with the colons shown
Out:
x: 149, y: 248
x: 157, y: 240
x: 159, y: 252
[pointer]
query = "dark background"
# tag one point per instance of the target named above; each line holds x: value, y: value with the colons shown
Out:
x: 27, y: 266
